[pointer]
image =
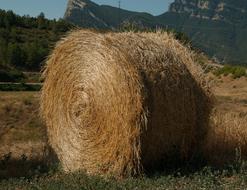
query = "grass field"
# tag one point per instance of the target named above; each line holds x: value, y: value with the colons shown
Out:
x: 26, y: 161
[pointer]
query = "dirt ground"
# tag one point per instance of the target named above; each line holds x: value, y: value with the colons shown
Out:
x: 226, y: 140
x: 21, y: 129
x: 231, y: 94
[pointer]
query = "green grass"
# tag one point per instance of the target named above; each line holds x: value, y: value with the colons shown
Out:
x: 235, y: 71
x: 232, y: 177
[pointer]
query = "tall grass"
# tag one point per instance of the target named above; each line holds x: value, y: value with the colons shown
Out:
x: 227, y: 139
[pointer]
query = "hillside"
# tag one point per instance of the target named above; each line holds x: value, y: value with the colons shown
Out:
x: 25, y: 42
x: 86, y: 13
x: 217, y: 27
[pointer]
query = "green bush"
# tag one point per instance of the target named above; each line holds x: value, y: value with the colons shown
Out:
x: 19, y: 87
x: 10, y: 75
x: 236, y: 71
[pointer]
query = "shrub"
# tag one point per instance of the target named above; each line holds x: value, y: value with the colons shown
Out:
x: 10, y: 75
x: 236, y: 71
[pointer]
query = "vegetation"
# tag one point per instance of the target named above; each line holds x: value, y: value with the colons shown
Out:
x: 205, y: 178
x: 19, y: 87
x: 235, y: 71
x: 133, y: 27
x: 25, y: 42
x: 8, y: 74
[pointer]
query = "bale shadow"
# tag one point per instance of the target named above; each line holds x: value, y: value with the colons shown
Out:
x: 179, y: 120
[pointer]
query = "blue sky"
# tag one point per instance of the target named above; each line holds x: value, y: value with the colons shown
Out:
x: 56, y: 8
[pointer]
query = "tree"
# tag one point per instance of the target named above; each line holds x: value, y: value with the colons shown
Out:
x: 3, y: 51
x: 25, y: 41
x: 60, y: 26
x: 41, y: 21
x: 41, y: 15
x: 9, y: 19
x: 15, y: 55
x: 35, y: 55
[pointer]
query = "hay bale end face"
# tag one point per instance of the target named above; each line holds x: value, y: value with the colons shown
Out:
x: 120, y: 103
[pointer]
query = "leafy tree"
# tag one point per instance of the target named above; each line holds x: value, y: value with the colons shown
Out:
x: 15, y: 55
x: 3, y: 51
x: 60, y: 26
x: 9, y: 19
x: 41, y: 21
x: 26, y: 41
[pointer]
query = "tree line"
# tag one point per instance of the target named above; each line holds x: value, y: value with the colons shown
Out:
x: 26, y: 41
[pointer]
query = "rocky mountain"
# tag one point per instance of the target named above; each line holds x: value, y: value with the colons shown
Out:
x: 224, y: 10
x: 218, y: 27
x: 86, y: 13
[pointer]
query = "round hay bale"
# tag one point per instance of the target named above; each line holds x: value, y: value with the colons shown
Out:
x: 118, y: 103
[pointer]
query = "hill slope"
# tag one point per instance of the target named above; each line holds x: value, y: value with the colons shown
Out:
x: 216, y: 26
x: 25, y: 42
x: 85, y: 13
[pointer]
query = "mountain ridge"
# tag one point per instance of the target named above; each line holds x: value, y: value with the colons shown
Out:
x: 217, y: 27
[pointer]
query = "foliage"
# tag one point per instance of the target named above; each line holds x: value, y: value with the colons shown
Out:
x: 10, y: 75
x: 205, y: 178
x: 236, y: 71
x: 25, y: 41
x: 19, y: 87
x: 134, y: 27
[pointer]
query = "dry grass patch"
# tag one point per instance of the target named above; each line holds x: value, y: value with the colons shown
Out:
x: 226, y: 141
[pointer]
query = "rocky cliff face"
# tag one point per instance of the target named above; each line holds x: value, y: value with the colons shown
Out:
x: 84, y: 13
x: 224, y: 10
x: 87, y: 13
x: 74, y: 4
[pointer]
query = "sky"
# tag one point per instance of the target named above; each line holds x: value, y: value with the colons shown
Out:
x: 56, y: 8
